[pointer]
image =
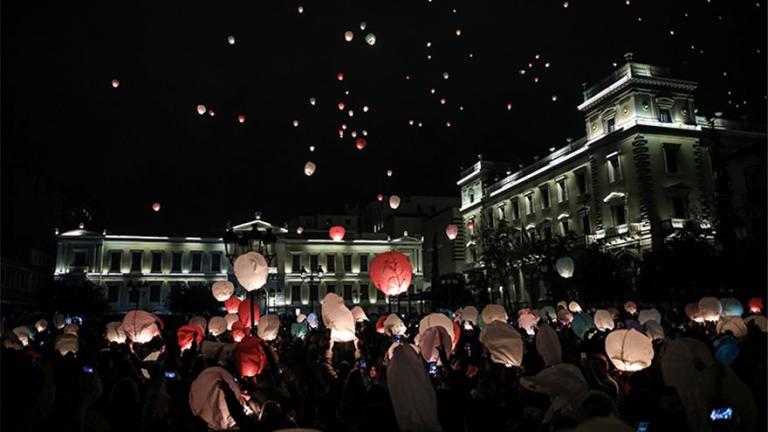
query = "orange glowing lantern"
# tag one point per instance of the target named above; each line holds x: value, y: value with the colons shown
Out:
x: 337, y: 233
x: 240, y: 118
x: 452, y: 230
x: 188, y: 333
x: 244, y: 311
x: 361, y: 143
x: 391, y: 272
x: 755, y: 305
x: 249, y: 356
x: 232, y: 304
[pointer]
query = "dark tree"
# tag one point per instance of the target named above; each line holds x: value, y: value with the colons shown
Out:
x: 75, y: 294
x: 193, y: 300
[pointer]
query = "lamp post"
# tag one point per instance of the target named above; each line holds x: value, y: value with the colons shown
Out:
x: 311, y: 275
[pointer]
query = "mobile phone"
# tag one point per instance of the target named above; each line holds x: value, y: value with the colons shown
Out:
x: 721, y: 414
x: 280, y: 370
x: 432, y: 368
x: 88, y: 369
x: 362, y: 364
x: 643, y: 426
x: 396, y: 338
x: 468, y: 346
x: 170, y: 374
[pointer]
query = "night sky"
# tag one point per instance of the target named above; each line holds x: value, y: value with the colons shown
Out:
x: 124, y: 148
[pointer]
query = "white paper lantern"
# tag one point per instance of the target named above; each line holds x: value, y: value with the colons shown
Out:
x: 370, y: 39
x: 394, y: 202
x: 207, y: 400
x: 231, y: 40
x: 494, y: 312
x: 394, y: 326
x: 41, y: 325
x: 431, y: 340
x: 23, y: 334
x: 231, y: 319
x: 565, y: 267
x: 469, y: 313
x: 141, y: 326
x: 603, y: 320
x: 359, y: 314
x: 528, y: 323
x: 66, y: 343
x: 692, y: 312
x: 348, y: 36
x: 435, y: 320
x: 759, y: 320
x: 629, y: 350
x: 503, y: 342
x: 574, y: 307
x: 654, y: 330
x: 309, y: 168
x: 338, y: 318
x: 58, y: 321
x: 269, y: 326
x: 222, y: 290
x: 452, y: 230
x: 562, y: 304
x: 646, y: 315
x: 710, y: 308
x: 734, y: 324
x: 71, y: 329
x: 201, y: 109
x: 251, y: 270
x: 217, y: 325
x: 630, y: 307
x: 114, y: 332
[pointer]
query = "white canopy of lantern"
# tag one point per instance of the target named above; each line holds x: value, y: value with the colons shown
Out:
x: 411, y: 391
x: 431, y: 340
x: 710, y: 308
x: 231, y: 319
x: 66, y: 343
x: 222, y: 290
x: 563, y: 383
x: 251, y: 270
x: 394, y: 326
x: 734, y: 324
x: 41, y: 325
x: 565, y: 267
x: 630, y: 307
x: 654, y: 330
x: 548, y: 345
x: 338, y: 318
x: 629, y: 350
x: 269, y: 326
x: 603, y: 320
x: 646, y: 315
x: 200, y: 322
x: 527, y: 322
x: 434, y: 320
x: 141, y: 326
x: 23, y: 334
x: 217, y: 326
x: 503, y: 342
x: 207, y: 400
x: 113, y: 332
x: 494, y: 312
x: 574, y: 307
x: 359, y: 314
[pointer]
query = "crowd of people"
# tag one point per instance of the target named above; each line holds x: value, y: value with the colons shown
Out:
x: 549, y: 369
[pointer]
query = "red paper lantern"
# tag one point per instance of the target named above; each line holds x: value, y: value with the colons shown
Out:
x: 380, y: 324
x: 244, y: 311
x: 340, y: 76
x: 238, y: 331
x: 186, y: 334
x: 241, y: 118
x: 232, y: 304
x: 452, y: 230
x: 341, y: 106
x: 755, y: 305
x: 456, y: 335
x: 380, y: 197
x: 361, y: 143
x: 249, y: 356
x: 391, y: 272
x: 337, y: 233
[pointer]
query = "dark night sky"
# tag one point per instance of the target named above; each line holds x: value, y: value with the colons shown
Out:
x: 123, y: 149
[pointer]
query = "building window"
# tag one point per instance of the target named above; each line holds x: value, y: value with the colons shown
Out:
x: 581, y: 182
x: 136, y: 261
x: 502, y: 213
x: 216, y: 262
x: 585, y: 225
x: 347, y: 293
x: 176, y: 262
x: 562, y: 190
x: 313, y: 259
x: 330, y: 288
x: 363, y: 263
x: 619, y: 214
x: 380, y: 296
x: 671, y: 153
x: 295, y: 263
x: 548, y: 231
x: 197, y: 262
x: 532, y: 234
x: 610, y: 125
x: 115, y: 261
x: 295, y: 293
x: 330, y: 263
x: 154, y: 293
x: 363, y: 293
x: 157, y: 262
x: 347, y: 262
x: 489, y: 218
x: 614, y: 169
x: 565, y: 227
x: 544, y: 191
x: 133, y: 295
x: 471, y: 195
x: 529, y: 203
x: 313, y: 293
x: 665, y: 116
x: 113, y: 293
x: 679, y: 208
x: 515, y: 209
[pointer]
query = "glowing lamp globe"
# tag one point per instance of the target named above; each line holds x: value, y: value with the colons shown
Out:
x: 201, y: 109
x: 337, y: 233
x: 113, y: 332
x: 217, y: 326
x: 394, y: 202
x: 629, y: 350
x: 370, y: 39
x: 141, y: 326
x: 156, y: 206
x: 188, y: 333
x: 565, y: 267
x: 348, y: 36
x: 231, y: 319
x: 222, y: 290
x: 249, y: 356
x: 603, y: 320
x: 451, y: 231
x: 710, y: 308
x: 240, y: 118
x: 309, y: 168
x: 115, y: 83
x: 232, y: 304
x: 755, y: 305
x: 251, y: 270
x: 66, y: 343
x: 360, y: 143
x: 391, y: 273
x: 269, y: 326
x: 41, y: 325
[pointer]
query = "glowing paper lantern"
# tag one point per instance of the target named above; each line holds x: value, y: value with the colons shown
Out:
x: 603, y: 320
x: 629, y: 350
x: 494, y: 312
x: 41, y: 325
x: 646, y: 315
x: 23, y: 334
x: 363, y: 25
x: 630, y: 307
x: 244, y: 312
x: 337, y: 233
x: 731, y: 307
x: 217, y: 325
x: 379, y: 197
x: 389, y: 173
x: 692, y: 312
x: 58, y: 321
x: 338, y: 318
x: 470, y: 313
x: 380, y: 324
x: 11, y: 341
x: 394, y: 202
x: 300, y: 318
x: 394, y: 326
x: 471, y: 225
x: 348, y: 36
x: 755, y: 305
x: 231, y: 319
x: 208, y: 401
x: 710, y: 308
x: 66, y: 343
x: 340, y: 76
x: 574, y: 307
x: 71, y: 329
x: 430, y: 340
x: 391, y: 273
x: 654, y: 330
x: 299, y: 230
x: 240, y: 118
x: 734, y: 324
x: 299, y: 329
x: 528, y: 323
x: 231, y: 40
x: 249, y: 356
x: 251, y: 270
x: 548, y: 312
x: 238, y: 334
x: 503, y: 342
x: 141, y: 326
x: 156, y: 206
x: 359, y: 314
x: 361, y: 143
x: 115, y: 83
x: 370, y: 39
x: 452, y: 230
x: 435, y: 320
x: 565, y: 267
x: 564, y: 316
x: 200, y: 322
x: 581, y: 324
x: 201, y: 109
x: 232, y: 304
x: 269, y: 326
x: 113, y: 332
x: 312, y: 320
x: 188, y: 333
x: 309, y: 168
x: 759, y: 320
x: 222, y: 290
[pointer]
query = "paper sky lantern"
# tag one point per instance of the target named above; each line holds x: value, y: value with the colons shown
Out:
x: 452, y: 230
x: 337, y: 233
x: 115, y: 83
x: 710, y: 308
x: 646, y: 315
x: 338, y: 318
x: 41, y: 325
x: 299, y: 330
x: 581, y: 324
x: 232, y: 304
x: 430, y: 340
x: 340, y: 76
x: 11, y: 341
x: 363, y: 25
x: 312, y: 320
x: 759, y: 320
x: 269, y: 326
x: 201, y: 109
x: 295, y: 123
x: 389, y: 173
x: 249, y: 357
x: 755, y: 305
x: 309, y: 168
x: 603, y: 320
x: 574, y: 307
x: 66, y: 343
x: 380, y: 324
x: 222, y: 290
x: 435, y: 320
x: 732, y: 307
x: 734, y: 324
x: 231, y: 319
x: 470, y: 313
x: 391, y: 273
x: 231, y: 40
x: 503, y: 342
x: 548, y: 345
x: 23, y: 334
x: 359, y: 314
x: 299, y: 230
x: 692, y: 312
x: 207, y: 400
x: 200, y: 322
x: 565, y: 267
x: 348, y: 36
x: 370, y: 39
x: 630, y: 307
x: 156, y: 206
x: 394, y: 202
x: 548, y: 312
x: 211, y: 113
x: 251, y: 270
x: 361, y: 143
x: 629, y: 350
x: 564, y: 316
x: 188, y: 333
x: 238, y: 334
x: 113, y: 332
x: 58, y: 321
x: 300, y: 318
x: 494, y: 312
x: 141, y: 326
x: 654, y: 330
x: 71, y: 329
x: 300, y: 9
x: 244, y: 311
x: 394, y: 326
x: 528, y: 323
x: 240, y: 118
x: 217, y: 326
x: 379, y: 197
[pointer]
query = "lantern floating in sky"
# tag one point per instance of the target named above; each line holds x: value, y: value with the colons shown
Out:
x: 389, y: 173
x: 222, y: 290
x: 379, y: 197
x: 363, y: 25
x: 337, y: 233
x: 565, y: 267
x: 361, y: 143
x: 348, y: 36
x: 309, y: 168
x: 710, y: 308
x: 340, y: 76
x: 217, y: 325
x: 201, y: 109
x: 249, y: 357
x: 295, y: 123
x: 629, y: 350
x: 445, y: 75
x: 312, y: 101
x: 394, y: 202
x: 240, y: 118
x: 311, y: 148
x: 365, y: 109
x: 231, y: 39
x: 156, y: 206
x: 115, y: 83
x: 251, y: 270
x: 299, y: 230
x: 66, y: 343
x: 391, y: 273
x: 458, y: 32
x: 370, y: 39
x: 341, y: 107
x: 300, y: 9
x: 554, y: 98
x: 211, y: 113
x: 141, y: 326
x: 452, y: 230
x: 269, y: 325
x: 232, y: 304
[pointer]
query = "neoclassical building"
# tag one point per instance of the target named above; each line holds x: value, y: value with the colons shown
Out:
x: 642, y: 169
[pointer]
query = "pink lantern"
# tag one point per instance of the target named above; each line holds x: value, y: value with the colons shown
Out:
x: 207, y: 400
x: 359, y: 314
x: 379, y: 197
x: 231, y: 319
x: 188, y: 333
x: 361, y: 143
x: 394, y: 202
x: 156, y: 206
x: 452, y: 230
x: 340, y: 106
x: 249, y: 356
x: 232, y: 304
x: 471, y: 224
x: 141, y: 326
x: 244, y: 311
x: 201, y: 109
x: 222, y: 290
x: 240, y: 118
x: 337, y: 233
x: 340, y: 76
x: 309, y: 168
x: 528, y: 323
x: 391, y: 272
x: 251, y: 270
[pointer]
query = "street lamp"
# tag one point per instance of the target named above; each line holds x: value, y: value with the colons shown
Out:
x: 311, y: 275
